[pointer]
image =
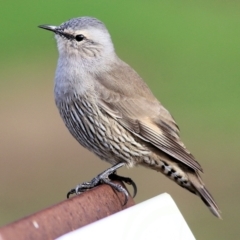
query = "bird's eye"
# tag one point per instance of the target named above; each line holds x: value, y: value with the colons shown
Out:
x: 79, y: 37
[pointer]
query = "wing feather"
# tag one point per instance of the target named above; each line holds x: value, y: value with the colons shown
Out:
x: 124, y: 96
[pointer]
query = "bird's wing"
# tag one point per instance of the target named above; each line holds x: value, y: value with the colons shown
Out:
x: 131, y: 103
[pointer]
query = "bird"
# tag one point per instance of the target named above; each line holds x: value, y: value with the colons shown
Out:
x: 110, y: 110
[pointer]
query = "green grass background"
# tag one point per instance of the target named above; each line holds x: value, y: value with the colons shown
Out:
x: 187, y: 52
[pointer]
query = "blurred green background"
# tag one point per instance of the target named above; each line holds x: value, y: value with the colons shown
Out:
x: 187, y: 52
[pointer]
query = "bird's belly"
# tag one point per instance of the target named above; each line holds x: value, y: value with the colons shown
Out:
x: 101, y: 134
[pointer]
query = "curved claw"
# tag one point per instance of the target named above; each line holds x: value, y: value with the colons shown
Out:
x: 119, y: 188
x: 72, y: 191
x: 126, y: 196
x: 127, y: 180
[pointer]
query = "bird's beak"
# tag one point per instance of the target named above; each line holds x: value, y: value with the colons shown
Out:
x: 49, y: 28
x: 57, y: 31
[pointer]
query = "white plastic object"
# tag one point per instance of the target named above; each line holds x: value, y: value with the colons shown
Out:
x: 156, y: 218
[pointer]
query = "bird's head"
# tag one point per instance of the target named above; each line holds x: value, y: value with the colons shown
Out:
x: 83, y: 37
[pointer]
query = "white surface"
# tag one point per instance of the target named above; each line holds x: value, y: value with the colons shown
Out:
x: 156, y: 218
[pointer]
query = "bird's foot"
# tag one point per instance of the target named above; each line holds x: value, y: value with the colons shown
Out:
x: 126, y: 180
x: 106, y: 177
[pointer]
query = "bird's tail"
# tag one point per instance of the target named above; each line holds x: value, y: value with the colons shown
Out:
x: 203, y: 193
x: 188, y: 179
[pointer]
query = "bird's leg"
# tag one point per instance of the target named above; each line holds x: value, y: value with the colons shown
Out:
x: 106, y: 177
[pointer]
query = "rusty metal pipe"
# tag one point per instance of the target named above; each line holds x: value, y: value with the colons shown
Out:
x: 67, y: 216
